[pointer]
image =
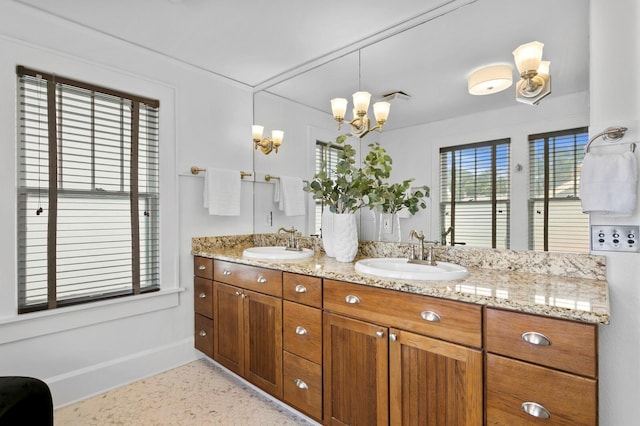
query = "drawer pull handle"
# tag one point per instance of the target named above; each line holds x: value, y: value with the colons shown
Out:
x: 301, y: 330
x: 393, y: 337
x: 301, y: 384
x: 301, y: 289
x: 354, y: 300
x: 379, y: 334
x: 536, y: 410
x: 226, y: 273
x: 202, y: 333
x: 201, y: 268
x: 430, y: 316
x: 536, y: 338
x: 261, y: 279
x: 202, y: 295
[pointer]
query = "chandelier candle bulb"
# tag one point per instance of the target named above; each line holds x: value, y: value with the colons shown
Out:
x: 256, y: 131
x: 381, y: 111
x: 528, y: 57
x: 361, y: 102
x: 339, y: 108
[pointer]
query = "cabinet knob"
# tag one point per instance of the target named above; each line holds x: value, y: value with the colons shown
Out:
x: 201, y: 267
x: 202, y: 333
x: 379, y: 334
x: 301, y: 289
x: 202, y: 296
x: 226, y: 272
x: 536, y: 338
x: 238, y: 293
x: 301, y: 384
x: 301, y: 330
x: 352, y: 299
x: 430, y: 316
x: 393, y: 337
x: 536, y: 410
x: 261, y: 279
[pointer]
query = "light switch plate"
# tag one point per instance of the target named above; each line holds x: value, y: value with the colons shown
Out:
x: 615, y: 238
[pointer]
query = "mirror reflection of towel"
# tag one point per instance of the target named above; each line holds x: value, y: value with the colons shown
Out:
x: 608, y: 184
x: 291, y: 196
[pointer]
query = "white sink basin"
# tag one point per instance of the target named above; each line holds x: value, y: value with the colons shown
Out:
x: 276, y: 253
x: 399, y: 268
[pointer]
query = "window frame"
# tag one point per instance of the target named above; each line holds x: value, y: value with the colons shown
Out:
x: 53, y: 82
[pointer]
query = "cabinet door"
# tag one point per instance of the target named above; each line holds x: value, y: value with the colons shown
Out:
x: 263, y: 341
x: 227, y: 340
x: 356, y: 386
x: 432, y: 382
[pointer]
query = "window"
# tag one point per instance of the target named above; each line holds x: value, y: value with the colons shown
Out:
x: 474, y: 194
x: 556, y: 221
x: 88, y: 192
x: 326, y: 159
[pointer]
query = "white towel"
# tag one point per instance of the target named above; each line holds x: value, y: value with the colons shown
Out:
x: 291, y: 196
x: 608, y: 184
x: 221, y: 195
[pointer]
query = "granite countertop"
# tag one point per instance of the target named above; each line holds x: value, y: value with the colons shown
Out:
x: 562, y: 286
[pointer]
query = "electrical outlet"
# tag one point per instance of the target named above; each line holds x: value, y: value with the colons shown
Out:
x: 269, y: 219
x: 615, y: 238
x: 387, y: 224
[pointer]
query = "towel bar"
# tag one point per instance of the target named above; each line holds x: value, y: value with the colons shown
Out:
x: 267, y: 178
x: 610, y: 134
x: 195, y: 170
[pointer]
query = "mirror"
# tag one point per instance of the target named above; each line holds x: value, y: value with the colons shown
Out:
x: 430, y: 61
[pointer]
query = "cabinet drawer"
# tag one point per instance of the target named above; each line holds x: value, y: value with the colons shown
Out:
x: 303, y: 385
x: 302, y: 289
x: 203, y: 267
x: 203, y: 297
x: 444, y: 319
x: 573, y: 345
x: 569, y: 399
x: 262, y: 280
x: 204, y: 335
x: 303, y: 331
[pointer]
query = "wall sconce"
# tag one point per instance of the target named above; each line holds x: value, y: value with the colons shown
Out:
x: 490, y: 80
x: 360, y: 125
x: 535, y: 81
x: 267, y: 144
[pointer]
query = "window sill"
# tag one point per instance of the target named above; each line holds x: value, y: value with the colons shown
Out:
x: 27, y: 326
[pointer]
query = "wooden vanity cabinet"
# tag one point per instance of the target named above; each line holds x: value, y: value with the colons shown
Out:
x: 540, y: 370
x: 302, y: 342
x: 203, y: 305
x: 247, y: 308
x: 386, y: 360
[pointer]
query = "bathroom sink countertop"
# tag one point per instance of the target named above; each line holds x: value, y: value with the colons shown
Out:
x: 581, y: 298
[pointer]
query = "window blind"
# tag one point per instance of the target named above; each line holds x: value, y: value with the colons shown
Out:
x: 556, y: 221
x: 326, y: 159
x: 88, y: 192
x: 474, y: 194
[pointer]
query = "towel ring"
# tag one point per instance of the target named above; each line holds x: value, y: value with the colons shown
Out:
x: 610, y: 134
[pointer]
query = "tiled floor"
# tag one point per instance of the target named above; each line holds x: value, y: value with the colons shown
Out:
x: 198, y: 393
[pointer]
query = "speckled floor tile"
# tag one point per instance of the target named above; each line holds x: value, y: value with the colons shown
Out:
x: 198, y: 393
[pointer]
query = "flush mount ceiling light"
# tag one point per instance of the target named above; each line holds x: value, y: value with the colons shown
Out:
x: 267, y: 144
x: 535, y: 81
x: 490, y: 80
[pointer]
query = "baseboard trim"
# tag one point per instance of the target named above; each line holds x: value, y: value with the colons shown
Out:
x: 97, y: 379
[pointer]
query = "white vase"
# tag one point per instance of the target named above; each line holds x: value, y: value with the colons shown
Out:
x: 327, y: 232
x: 389, y: 228
x: 345, y: 237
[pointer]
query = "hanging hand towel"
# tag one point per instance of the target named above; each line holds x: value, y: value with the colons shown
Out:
x: 292, y: 199
x: 608, y: 184
x: 221, y: 194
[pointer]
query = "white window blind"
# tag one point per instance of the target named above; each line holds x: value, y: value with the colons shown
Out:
x: 326, y: 159
x: 88, y: 192
x: 556, y: 221
x: 474, y: 194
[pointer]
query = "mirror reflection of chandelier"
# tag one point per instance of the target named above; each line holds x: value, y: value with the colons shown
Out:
x: 360, y: 124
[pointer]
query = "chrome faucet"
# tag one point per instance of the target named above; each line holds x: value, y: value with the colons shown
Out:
x: 430, y: 260
x: 292, y: 242
x: 444, y: 236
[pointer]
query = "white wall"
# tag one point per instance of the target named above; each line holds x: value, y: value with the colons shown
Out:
x: 615, y: 100
x: 205, y: 121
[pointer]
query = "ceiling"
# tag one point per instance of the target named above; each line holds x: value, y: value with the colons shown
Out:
x: 309, y: 52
